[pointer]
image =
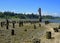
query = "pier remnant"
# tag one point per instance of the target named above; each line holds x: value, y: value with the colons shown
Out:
x: 7, y: 24
x: 12, y: 32
x: 34, y: 26
x: 1, y: 24
x: 39, y: 25
x: 36, y: 40
x: 47, y: 22
x: 40, y: 17
x: 13, y: 24
x: 55, y: 29
x: 48, y: 35
x: 20, y: 23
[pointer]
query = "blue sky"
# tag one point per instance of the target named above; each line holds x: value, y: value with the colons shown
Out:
x: 49, y: 7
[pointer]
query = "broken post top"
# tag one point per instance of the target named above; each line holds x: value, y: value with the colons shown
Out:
x: 39, y: 10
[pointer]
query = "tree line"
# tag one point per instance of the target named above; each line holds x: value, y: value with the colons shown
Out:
x: 24, y: 16
x: 18, y: 15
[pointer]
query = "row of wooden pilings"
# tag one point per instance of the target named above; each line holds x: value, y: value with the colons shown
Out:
x: 48, y: 34
x: 13, y: 24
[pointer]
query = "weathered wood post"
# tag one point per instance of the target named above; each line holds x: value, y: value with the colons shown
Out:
x: 13, y: 24
x: 59, y: 27
x: 40, y: 17
x: 20, y: 23
x: 25, y: 30
x: 47, y: 22
x: 39, y: 25
x: 1, y: 24
x: 12, y: 32
x: 56, y: 29
x: 34, y: 26
x: 7, y: 24
x: 48, y: 35
x: 36, y: 40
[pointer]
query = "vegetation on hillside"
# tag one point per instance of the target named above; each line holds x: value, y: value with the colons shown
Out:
x: 24, y: 16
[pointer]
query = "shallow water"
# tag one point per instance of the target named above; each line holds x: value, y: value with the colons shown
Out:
x: 52, y: 20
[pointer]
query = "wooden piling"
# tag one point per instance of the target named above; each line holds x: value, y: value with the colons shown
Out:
x: 40, y: 17
x: 59, y: 27
x: 1, y: 24
x: 36, y: 40
x: 7, y: 24
x: 39, y: 25
x: 55, y: 29
x: 34, y: 26
x: 20, y: 23
x: 13, y: 24
x: 47, y: 22
x: 12, y: 32
x: 48, y: 35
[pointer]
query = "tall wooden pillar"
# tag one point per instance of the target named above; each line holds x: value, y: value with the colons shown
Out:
x: 7, y: 24
x: 40, y: 17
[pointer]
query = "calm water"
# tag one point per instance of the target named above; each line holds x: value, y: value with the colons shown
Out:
x: 52, y: 20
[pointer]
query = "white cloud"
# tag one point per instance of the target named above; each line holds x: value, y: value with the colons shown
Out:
x: 53, y: 14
